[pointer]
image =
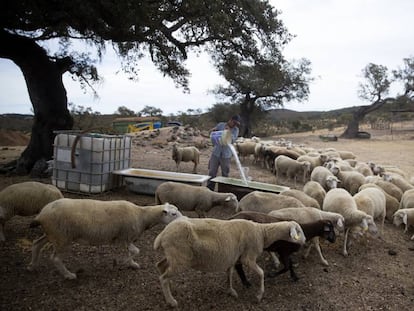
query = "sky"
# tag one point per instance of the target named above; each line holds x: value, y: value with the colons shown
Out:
x: 339, y: 38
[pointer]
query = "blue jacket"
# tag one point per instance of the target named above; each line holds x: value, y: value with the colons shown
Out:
x: 225, y: 151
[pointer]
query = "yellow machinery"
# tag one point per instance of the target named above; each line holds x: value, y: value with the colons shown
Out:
x: 132, y: 128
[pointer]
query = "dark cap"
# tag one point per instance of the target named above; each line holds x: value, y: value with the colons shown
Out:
x: 236, y: 118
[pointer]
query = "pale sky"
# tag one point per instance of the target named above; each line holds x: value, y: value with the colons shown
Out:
x: 339, y: 38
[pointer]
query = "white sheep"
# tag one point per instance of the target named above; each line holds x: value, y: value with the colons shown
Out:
x: 392, y: 203
x: 246, y: 148
x: 302, y: 196
x: 315, y: 161
x: 291, y: 168
x: 364, y: 168
x: 199, y: 199
x: 95, y: 222
x: 407, y: 199
x: 324, y: 177
x: 373, y: 202
x: 214, y: 245
x: 351, y: 180
x: 265, y: 202
x: 315, y: 190
x: 25, y: 199
x: 307, y: 215
x: 342, y: 202
x: 404, y: 216
x: 386, y: 185
x: 186, y: 154
x: 401, y: 182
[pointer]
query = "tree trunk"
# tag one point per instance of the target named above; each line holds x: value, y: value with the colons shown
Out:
x: 246, y: 110
x: 353, y: 125
x: 46, y: 91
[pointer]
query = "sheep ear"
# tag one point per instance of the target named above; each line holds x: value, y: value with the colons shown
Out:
x: 228, y: 199
x: 340, y: 223
x: 294, y: 233
x: 405, y: 218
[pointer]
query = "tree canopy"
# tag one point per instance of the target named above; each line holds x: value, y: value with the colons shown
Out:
x: 164, y: 30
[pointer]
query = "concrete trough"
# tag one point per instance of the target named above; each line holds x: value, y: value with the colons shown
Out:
x: 241, y: 188
x: 146, y: 181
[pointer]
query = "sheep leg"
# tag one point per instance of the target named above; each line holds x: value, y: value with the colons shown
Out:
x: 132, y: 251
x: 195, y: 168
x: 344, y: 250
x: 57, y: 261
x: 232, y: 291
x: 275, y: 259
x: 254, y: 266
x: 36, y: 248
x: 165, y: 282
x: 315, y: 241
x: 287, y: 265
x: 2, y: 237
x: 239, y: 268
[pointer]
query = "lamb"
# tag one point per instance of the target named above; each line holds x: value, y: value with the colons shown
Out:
x: 342, y: 202
x: 186, y: 154
x: 25, y: 199
x: 404, y: 216
x: 214, y: 245
x: 199, y: 199
x: 265, y: 202
x: 319, y: 228
x: 391, y: 203
x: 324, y: 177
x: 407, y: 199
x: 291, y: 168
x: 315, y: 190
x: 302, y: 196
x: 373, y: 202
x: 95, y: 222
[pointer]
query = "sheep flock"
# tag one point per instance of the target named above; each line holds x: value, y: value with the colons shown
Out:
x: 359, y: 199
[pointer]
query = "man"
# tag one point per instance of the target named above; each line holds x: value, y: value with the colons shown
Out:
x: 221, y: 155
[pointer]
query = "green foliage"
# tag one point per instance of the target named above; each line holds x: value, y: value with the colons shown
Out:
x: 84, y: 117
x: 376, y: 83
x: 150, y: 111
x: 123, y: 111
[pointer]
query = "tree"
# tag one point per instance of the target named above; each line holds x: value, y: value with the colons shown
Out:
x: 166, y: 30
x: 374, y: 88
x: 125, y: 112
x: 263, y: 83
x: 150, y: 111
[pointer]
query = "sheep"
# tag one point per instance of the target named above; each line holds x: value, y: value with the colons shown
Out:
x: 214, y: 245
x: 95, y: 222
x: 346, y: 155
x: 404, y: 216
x: 301, y: 196
x: 401, y: 182
x: 265, y: 202
x: 245, y: 148
x: 407, y: 199
x: 364, y: 169
x: 351, y: 180
x: 341, y: 201
x: 319, y: 228
x: 315, y: 161
x: 25, y: 199
x: 324, y: 177
x: 186, y: 154
x: 199, y: 199
x: 373, y: 202
x: 312, y: 230
x: 391, y: 203
x: 389, y: 188
x: 272, y: 152
x: 315, y: 190
x: 291, y: 168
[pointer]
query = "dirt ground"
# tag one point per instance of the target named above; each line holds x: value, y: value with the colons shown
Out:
x: 377, y: 275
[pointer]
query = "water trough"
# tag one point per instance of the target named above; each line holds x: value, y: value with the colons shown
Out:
x: 145, y: 181
x: 240, y: 187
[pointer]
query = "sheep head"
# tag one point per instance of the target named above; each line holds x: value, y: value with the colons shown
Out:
x: 169, y: 213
